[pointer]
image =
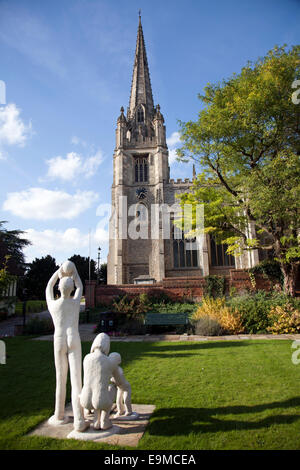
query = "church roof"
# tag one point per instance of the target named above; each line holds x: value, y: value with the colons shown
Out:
x: 141, y: 91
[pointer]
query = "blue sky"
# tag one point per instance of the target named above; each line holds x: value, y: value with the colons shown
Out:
x: 67, y: 67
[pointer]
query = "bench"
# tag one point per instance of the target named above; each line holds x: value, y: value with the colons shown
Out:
x: 166, y: 319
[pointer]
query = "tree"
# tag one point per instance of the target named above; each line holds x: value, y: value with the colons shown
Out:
x: 11, y: 249
x: 103, y: 274
x: 82, y: 265
x: 5, y: 279
x: 247, y: 141
x: 38, y: 275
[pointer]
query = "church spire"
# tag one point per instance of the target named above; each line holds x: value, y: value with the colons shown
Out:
x: 141, y: 91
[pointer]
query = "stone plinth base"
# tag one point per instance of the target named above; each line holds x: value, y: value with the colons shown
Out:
x: 91, y: 434
x: 125, y: 432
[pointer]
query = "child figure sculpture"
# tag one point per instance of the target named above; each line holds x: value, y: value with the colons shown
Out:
x: 123, y: 400
x: 96, y: 393
x: 67, y: 346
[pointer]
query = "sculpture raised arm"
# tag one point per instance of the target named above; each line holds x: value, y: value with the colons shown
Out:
x: 78, y: 285
x: 50, y: 286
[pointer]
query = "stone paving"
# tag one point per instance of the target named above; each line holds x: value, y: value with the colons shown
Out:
x: 87, y: 334
x: 125, y: 432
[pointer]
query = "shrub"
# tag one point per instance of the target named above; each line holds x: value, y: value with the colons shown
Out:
x: 3, y: 315
x: 216, y: 310
x: 270, y: 269
x: 207, y: 326
x: 175, y: 307
x: 39, y: 326
x: 209, y: 307
x: 214, y: 286
x: 254, y: 308
x: 285, y: 319
x: 133, y: 326
x: 132, y: 307
x: 159, y: 297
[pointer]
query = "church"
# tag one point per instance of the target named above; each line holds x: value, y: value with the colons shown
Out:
x: 141, y: 180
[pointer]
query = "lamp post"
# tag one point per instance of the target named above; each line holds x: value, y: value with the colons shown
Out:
x: 98, y: 269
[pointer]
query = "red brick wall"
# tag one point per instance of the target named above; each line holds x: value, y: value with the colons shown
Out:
x: 175, y: 288
x: 241, y: 280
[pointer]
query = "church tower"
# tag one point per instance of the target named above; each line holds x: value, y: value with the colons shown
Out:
x: 141, y: 170
x: 139, y: 251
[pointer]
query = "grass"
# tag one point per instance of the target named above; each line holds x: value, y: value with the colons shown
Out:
x: 208, y: 395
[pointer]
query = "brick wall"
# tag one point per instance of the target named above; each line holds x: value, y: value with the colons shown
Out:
x: 240, y: 279
x: 176, y: 288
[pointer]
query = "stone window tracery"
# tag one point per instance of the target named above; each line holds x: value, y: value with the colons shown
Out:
x: 183, y: 255
x: 218, y: 255
x: 141, y: 169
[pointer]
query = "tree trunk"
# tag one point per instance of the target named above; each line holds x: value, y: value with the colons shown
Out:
x: 289, y: 271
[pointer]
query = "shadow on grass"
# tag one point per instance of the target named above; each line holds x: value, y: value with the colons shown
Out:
x: 188, y: 350
x: 182, y: 421
x: 132, y: 351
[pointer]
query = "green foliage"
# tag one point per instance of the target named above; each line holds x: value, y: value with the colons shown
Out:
x: 83, y: 266
x: 285, y: 319
x: 214, y: 286
x: 254, y: 308
x: 39, y: 326
x: 39, y: 272
x: 173, y: 307
x: 3, y: 314
x: 132, y: 307
x: 32, y: 306
x: 270, y: 269
x: 12, y: 244
x: 132, y: 326
x: 246, y: 141
x: 213, y: 315
x: 103, y: 274
x: 5, y: 278
x: 207, y: 326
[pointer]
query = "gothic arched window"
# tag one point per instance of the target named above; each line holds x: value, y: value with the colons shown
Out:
x: 184, y: 253
x: 218, y: 255
x: 141, y: 169
x: 140, y: 114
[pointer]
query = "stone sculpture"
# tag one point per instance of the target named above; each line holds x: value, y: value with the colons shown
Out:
x: 96, y: 393
x: 123, y: 400
x: 67, y: 346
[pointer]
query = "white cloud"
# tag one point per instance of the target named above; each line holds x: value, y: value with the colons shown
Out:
x: 63, y: 244
x: 73, y: 166
x: 172, y: 156
x: 44, y: 204
x: 174, y: 139
x: 90, y: 165
x: 13, y: 131
x: 173, y: 142
x: 64, y: 168
x: 77, y: 141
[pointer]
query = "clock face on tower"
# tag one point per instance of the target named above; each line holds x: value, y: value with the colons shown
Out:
x: 141, y: 193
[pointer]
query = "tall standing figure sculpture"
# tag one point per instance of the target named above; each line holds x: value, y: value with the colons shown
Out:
x: 67, y: 345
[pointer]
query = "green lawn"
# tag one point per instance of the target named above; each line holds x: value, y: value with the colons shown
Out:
x: 208, y: 395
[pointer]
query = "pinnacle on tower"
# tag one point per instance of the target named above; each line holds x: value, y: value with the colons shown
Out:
x: 141, y: 91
